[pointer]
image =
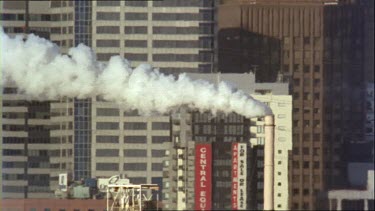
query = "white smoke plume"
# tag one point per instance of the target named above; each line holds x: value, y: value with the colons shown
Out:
x: 38, y: 69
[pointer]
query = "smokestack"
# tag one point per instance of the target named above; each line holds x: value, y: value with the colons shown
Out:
x: 269, y: 129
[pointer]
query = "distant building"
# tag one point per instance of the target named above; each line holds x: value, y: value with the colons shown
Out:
x: 360, y: 196
x: 52, y: 204
x: 25, y: 146
x: 310, y: 45
x: 89, y: 137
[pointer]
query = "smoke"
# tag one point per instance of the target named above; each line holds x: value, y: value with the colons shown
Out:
x: 41, y: 72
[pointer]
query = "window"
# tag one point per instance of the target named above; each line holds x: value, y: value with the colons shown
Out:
x: 107, y: 153
x: 306, y: 40
x: 107, y: 166
x: 157, y: 153
x: 131, y: 113
x: 136, y: 56
x: 306, y: 68
x: 160, y: 126
x: 135, y: 167
x: 135, y: 16
x: 306, y: 164
x: 175, y: 30
x: 108, y: 3
x: 136, y: 3
x: 136, y: 43
x: 135, y: 153
x: 105, y: 56
x: 160, y: 139
x: 107, y: 125
x: 135, y: 30
x: 175, y: 16
x: 296, y: 67
x: 108, y: 30
x: 175, y: 57
x: 306, y: 96
x: 108, y: 16
x: 316, y: 68
x: 157, y: 167
x: 135, y: 139
x: 175, y: 44
x: 108, y: 43
x: 107, y: 112
x: 107, y: 139
x: 260, y: 129
x: 138, y: 180
x: 135, y: 125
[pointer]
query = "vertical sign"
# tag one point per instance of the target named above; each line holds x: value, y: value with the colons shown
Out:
x: 63, y: 182
x: 239, y: 174
x: 203, y: 159
x: 234, y: 176
x: 242, y: 174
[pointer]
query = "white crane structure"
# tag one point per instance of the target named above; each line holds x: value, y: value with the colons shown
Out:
x: 129, y: 197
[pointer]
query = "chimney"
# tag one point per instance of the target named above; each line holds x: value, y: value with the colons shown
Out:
x: 269, y: 129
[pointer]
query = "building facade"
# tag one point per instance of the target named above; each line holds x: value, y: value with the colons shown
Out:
x: 302, y: 43
x: 86, y: 134
x: 25, y: 146
x: 192, y: 130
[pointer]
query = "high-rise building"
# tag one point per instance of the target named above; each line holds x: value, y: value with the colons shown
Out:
x: 318, y: 47
x: 25, y: 146
x: 174, y: 36
x: 193, y: 130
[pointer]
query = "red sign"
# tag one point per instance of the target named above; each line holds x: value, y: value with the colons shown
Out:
x: 234, y: 176
x: 203, y: 159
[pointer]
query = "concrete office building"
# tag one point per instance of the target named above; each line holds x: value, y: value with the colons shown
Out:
x: 121, y: 142
x: 173, y: 35
x: 25, y: 148
x: 309, y: 44
x: 191, y: 128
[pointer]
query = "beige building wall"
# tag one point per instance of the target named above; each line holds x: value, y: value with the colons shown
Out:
x: 62, y: 140
x: 125, y: 143
x: 130, y: 29
x: 25, y: 134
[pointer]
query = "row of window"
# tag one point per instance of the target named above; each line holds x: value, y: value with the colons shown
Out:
x: 21, y: 17
x: 164, y: 3
x: 155, y: 43
x: 128, y: 167
x: 202, y: 29
x: 137, y: 16
x: 132, y: 126
x: 129, y: 153
x: 132, y: 139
